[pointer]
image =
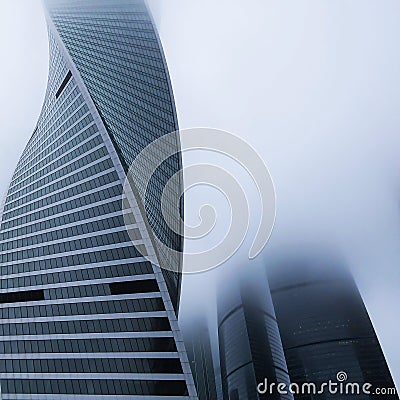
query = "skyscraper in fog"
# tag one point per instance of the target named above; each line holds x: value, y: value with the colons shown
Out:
x: 198, y: 345
x: 218, y: 381
x: 249, y: 341
x: 82, y: 313
x: 325, y: 327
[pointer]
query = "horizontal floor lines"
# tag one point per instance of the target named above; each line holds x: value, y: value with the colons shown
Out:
x: 55, y: 170
x: 74, y: 300
x: 90, y: 397
x: 95, y: 376
x: 63, y: 189
x: 117, y: 355
x: 75, y: 336
x: 86, y: 317
x: 66, y: 200
x: 73, y: 268
x: 88, y: 250
x: 80, y: 283
x: 72, y: 210
x: 97, y: 218
x: 93, y: 234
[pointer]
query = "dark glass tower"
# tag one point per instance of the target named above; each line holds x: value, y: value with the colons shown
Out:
x: 325, y: 327
x: 249, y: 341
x: 198, y: 345
x: 218, y: 382
x: 83, y: 315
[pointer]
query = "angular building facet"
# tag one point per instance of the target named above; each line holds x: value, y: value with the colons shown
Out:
x: 84, y: 315
x: 325, y: 327
x: 198, y: 345
x: 249, y: 341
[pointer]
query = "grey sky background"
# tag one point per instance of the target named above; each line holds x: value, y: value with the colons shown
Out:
x: 313, y: 85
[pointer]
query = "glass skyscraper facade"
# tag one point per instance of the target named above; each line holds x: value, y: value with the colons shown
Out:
x: 325, y: 327
x: 84, y: 315
x: 249, y: 341
x: 198, y: 345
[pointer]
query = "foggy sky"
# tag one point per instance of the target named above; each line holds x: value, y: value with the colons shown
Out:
x: 313, y: 85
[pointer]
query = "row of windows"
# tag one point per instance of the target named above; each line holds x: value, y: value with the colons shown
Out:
x: 77, y: 275
x: 126, y: 143
x: 84, y: 308
x: 59, y: 117
x: 76, y: 230
x: 124, y: 17
x: 130, y: 142
x: 87, y: 199
x: 126, y: 40
x: 49, y: 125
x: 102, y: 289
x: 135, y: 140
x: 69, y: 292
x: 94, y: 257
x: 92, y: 365
x: 100, y: 211
x: 65, y: 194
x: 66, y: 181
x: 49, y: 111
x: 156, y: 218
x: 67, y: 118
x: 82, y: 147
x: 132, y: 14
x: 66, y: 98
x: 86, y: 326
x: 100, y: 345
x: 124, y: 10
x: 105, y: 43
x: 145, y: 101
x: 99, y: 387
x: 139, y: 65
x: 123, y: 28
x: 57, y: 70
x: 76, y: 123
x: 39, y: 159
x: 149, y: 93
x: 75, y: 10
x: 130, y: 109
x: 62, y: 247
x: 69, y: 95
x: 123, y: 47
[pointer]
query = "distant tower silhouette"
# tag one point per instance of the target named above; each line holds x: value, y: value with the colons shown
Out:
x: 324, y: 325
x: 198, y: 347
x: 218, y: 382
x: 249, y: 341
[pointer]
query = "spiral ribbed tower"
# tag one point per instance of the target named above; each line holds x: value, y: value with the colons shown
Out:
x: 83, y: 313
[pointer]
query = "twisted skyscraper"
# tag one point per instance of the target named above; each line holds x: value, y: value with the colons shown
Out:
x: 83, y: 313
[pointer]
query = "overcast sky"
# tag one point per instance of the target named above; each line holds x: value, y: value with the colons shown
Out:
x: 313, y: 85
